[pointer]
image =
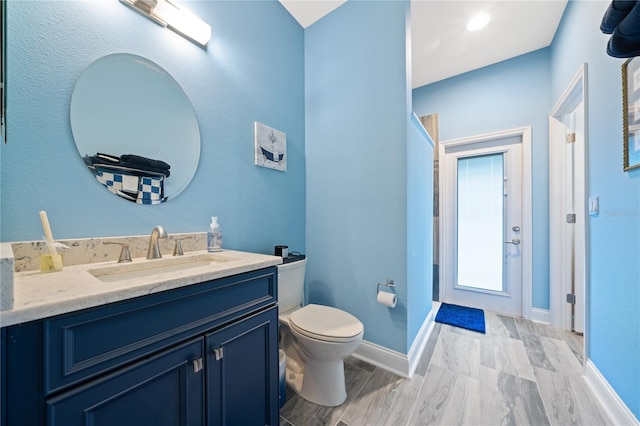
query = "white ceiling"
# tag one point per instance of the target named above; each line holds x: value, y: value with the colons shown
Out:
x: 441, y: 45
x: 306, y: 12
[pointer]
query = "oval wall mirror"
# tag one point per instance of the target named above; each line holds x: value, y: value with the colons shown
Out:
x: 135, y: 128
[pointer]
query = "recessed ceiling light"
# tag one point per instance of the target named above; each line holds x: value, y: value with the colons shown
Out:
x: 478, y: 21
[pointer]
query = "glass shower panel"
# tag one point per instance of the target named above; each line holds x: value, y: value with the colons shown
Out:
x: 480, y: 224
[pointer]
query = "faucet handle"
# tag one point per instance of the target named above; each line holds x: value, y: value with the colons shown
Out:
x: 125, y: 254
x: 177, y: 250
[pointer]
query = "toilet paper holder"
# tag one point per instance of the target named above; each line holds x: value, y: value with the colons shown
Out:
x: 388, y: 283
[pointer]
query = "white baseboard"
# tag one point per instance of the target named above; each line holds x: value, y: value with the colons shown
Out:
x: 540, y: 315
x: 387, y: 359
x: 396, y: 362
x: 419, y: 343
x: 609, y: 399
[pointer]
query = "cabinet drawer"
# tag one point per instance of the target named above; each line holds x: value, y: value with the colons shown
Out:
x: 93, y: 341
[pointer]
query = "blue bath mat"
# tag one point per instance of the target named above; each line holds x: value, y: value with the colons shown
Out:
x: 461, y: 316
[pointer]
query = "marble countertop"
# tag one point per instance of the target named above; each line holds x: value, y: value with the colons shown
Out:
x: 40, y: 295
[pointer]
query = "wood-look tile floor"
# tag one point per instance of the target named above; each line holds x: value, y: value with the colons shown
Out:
x: 518, y: 373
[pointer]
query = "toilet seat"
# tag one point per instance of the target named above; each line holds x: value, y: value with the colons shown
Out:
x: 326, y: 323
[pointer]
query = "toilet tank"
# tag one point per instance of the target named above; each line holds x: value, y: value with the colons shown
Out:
x: 291, y: 284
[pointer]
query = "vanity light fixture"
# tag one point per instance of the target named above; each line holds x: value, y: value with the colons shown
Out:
x: 478, y: 21
x: 171, y: 15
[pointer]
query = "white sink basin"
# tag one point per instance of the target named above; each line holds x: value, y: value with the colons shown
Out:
x: 145, y: 268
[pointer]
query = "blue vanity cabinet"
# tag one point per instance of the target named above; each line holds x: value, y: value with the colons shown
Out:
x: 165, y: 389
x: 242, y: 372
x: 203, y: 354
x: 3, y: 382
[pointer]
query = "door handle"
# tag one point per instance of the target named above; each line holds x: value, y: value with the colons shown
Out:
x: 514, y: 241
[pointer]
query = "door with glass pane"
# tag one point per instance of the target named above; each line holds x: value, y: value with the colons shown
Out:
x: 483, y: 225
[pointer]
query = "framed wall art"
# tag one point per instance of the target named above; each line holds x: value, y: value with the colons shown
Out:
x: 270, y: 147
x: 631, y: 113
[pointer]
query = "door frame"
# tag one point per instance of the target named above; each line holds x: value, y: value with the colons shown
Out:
x: 560, y: 316
x: 527, y: 231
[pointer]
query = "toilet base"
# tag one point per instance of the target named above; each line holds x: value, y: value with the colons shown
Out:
x: 321, y: 383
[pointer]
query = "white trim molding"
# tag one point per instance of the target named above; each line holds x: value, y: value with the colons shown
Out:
x: 419, y: 343
x: 608, y: 398
x: 560, y: 252
x: 540, y: 315
x: 387, y: 359
x: 396, y: 362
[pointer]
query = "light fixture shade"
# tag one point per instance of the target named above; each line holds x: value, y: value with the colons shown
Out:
x: 169, y: 14
x: 183, y: 21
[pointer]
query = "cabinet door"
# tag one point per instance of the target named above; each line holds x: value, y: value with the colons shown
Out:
x: 3, y: 369
x: 242, y: 372
x: 163, y: 389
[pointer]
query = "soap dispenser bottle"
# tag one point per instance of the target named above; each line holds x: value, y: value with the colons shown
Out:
x: 214, y: 236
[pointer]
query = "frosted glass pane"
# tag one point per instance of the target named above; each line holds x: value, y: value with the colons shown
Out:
x: 480, y: 222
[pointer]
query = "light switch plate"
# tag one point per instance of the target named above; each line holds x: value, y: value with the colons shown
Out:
x: 594, y: 205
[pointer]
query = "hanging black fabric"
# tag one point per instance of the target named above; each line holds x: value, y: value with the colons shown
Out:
x: 622, y: 21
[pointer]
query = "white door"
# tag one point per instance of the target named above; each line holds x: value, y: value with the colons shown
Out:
x: 483, y: 225
x: 567, y: 250
x: 568, y: 213
x: 578, y: 196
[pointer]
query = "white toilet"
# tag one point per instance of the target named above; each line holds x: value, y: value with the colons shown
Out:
x: 315, y: 338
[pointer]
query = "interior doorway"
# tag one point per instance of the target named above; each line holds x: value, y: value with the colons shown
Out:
x: 568, y: 210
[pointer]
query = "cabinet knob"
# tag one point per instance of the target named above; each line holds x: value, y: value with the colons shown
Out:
x: 197, y: 365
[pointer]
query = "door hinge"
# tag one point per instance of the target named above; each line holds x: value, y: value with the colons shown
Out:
x: 197, y: 365
x: 571, y: 298
x: 219, y: 353
x: 571, y: 138
x: 571, y: 218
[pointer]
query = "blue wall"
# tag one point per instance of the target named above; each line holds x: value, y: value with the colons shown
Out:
x: 253, y: 70
x: 521, y: 91
x: 506, y: 95
x: 357, y: 100
x: 351, y: 96
x: 419, y: 227
x: 614, y: 235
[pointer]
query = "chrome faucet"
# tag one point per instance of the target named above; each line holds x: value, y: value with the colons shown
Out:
x: 154, y: 250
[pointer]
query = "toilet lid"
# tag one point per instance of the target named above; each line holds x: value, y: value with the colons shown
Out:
x: 326, y: 323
